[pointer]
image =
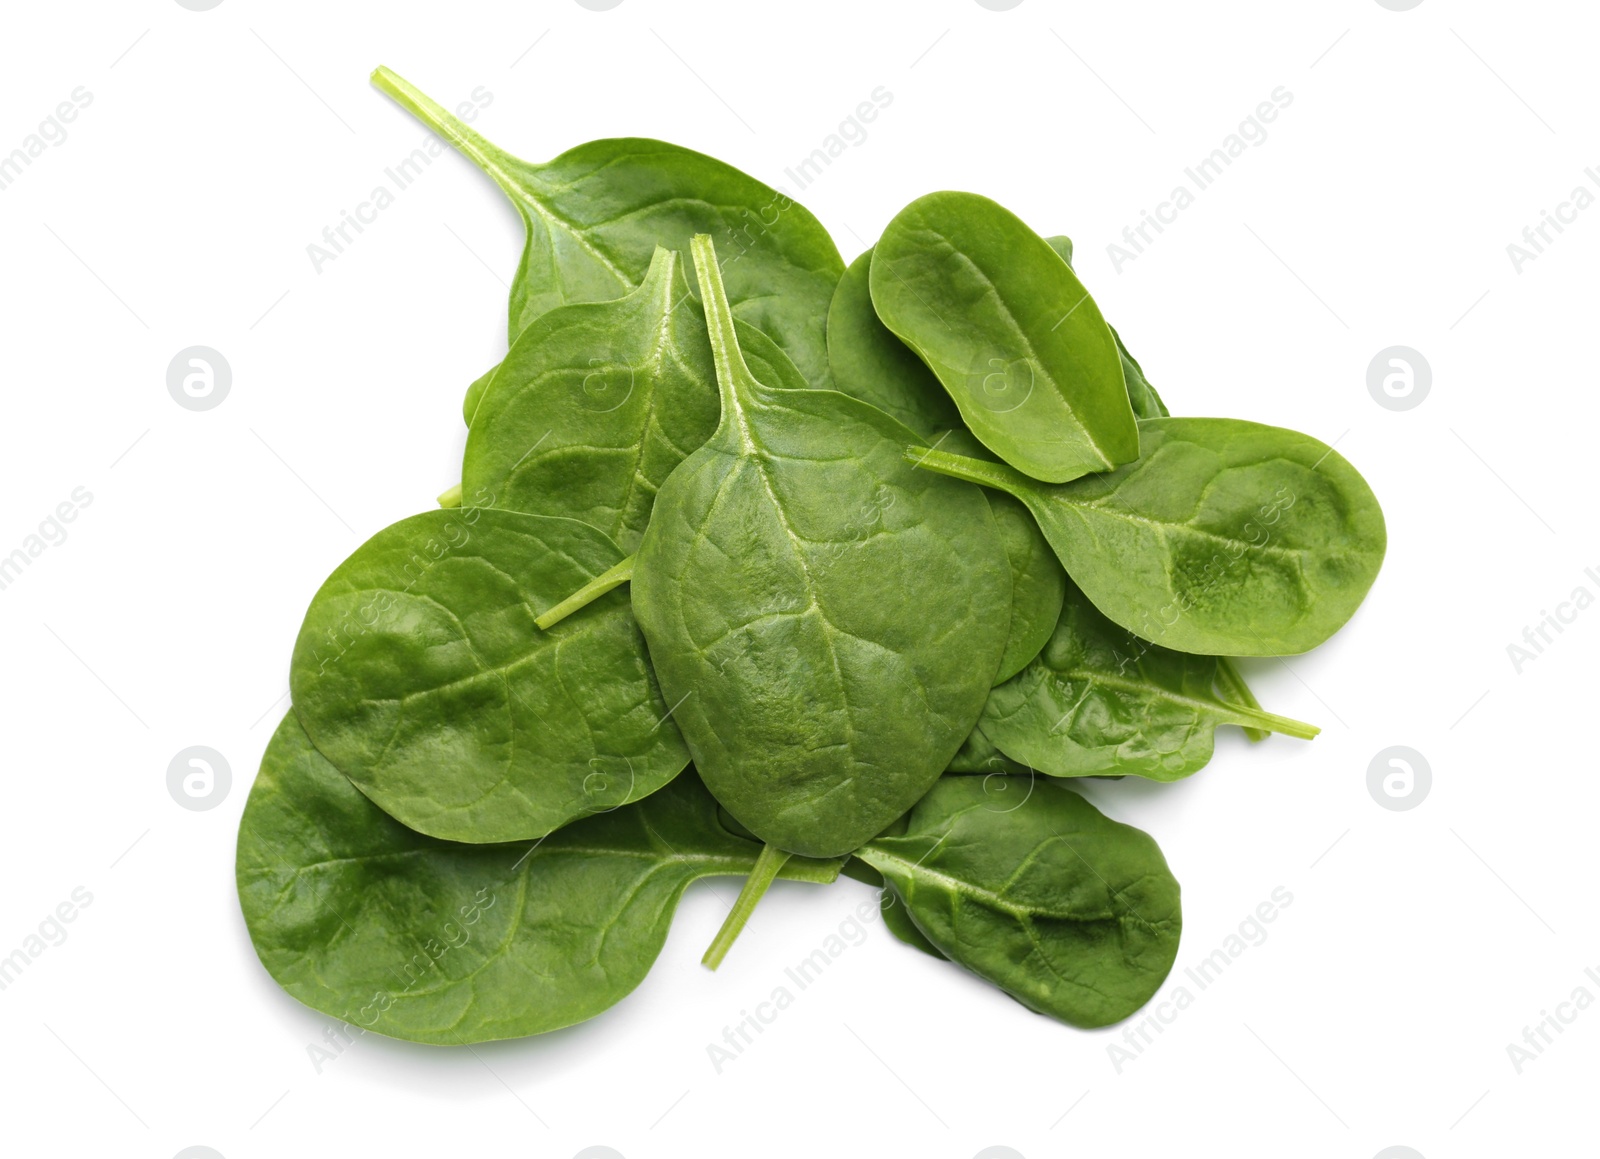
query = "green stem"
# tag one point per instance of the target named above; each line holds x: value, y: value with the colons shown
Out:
x: 1230, y: 682
x: 735, y: 382
x: 1272, y: 722
x: 996, y: 475
x: 451, y: 498
x: 612, y: 577
x: 761, y: 877
x: 495, y: 162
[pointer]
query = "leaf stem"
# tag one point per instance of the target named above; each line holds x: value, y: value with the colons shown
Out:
x: 1272, y: 722
x: 755, y: 886
x: 451, y: 497
x: 485, y: 156
x: 614, y: 576
x: 985, y: 474
x: 1230, y: 682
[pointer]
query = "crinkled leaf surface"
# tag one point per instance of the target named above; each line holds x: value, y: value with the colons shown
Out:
x: 384, y: 928
x: 978, y: 755
x: 420, y: 673
x: 1099, y: 700
x: 1071, y: 913
x: 1009, y: 330
x: 598, y: 402
x: 824, y: 625
x: 596, y: 213
x: 1226, y: 537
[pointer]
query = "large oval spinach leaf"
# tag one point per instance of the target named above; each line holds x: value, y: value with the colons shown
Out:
x: 773, y: 585
x: 389, y: 930
x: 596, y: 213
x: 420, y: 673
x: 1011, y: 333
x: 1071, y: 913
x: 1226, y: 537
x: 1100, y: 700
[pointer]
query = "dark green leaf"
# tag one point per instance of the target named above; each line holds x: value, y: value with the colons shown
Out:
x: 388, y: 930
x: 420, y: 673
x: 1142, y: 396
x: 1009, y: 330
x: 1099, y: 700
x: 1072, y: 914
x: 596, y: 213
x: 1226, y: 537
x: 774, y: 584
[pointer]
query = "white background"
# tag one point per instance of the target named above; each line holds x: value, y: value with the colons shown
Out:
x: 1419, y: 943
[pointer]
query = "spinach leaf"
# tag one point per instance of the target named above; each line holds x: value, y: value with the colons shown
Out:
x: 474, y: 395
x: 596, y: 213
x: 1011, y: 333
x: 1038, y: 583
x: 386, y: 929
x: 898, y: 921
x: 978, y: 755
x: 1072, y: 914
x: 1142, y: 396
x: 776, y: 584
x: 1100, y: 700
x: 420, y: 674
x: 598, y: 402
x: 871, y: 364
x: 868, y: 362
x: 594, y: 406
x: 1231, y: 685
x: 1225, y: 538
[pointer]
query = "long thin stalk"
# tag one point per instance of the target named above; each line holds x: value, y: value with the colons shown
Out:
x: 761, y: 877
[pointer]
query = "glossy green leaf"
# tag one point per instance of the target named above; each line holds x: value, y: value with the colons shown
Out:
x: 897, y: 920
x: 1142, y: 397
x: 596, y: 213
x: 1099, y: 700
x: 1009, y: 330
x: 773, y: 586
x: 389, y: 930
x: 868, y: 362
x: 1072, y: 914
x: 474, y: 395
x: 978, y: 755
x: 1038, y: 583
x: 420, y: 673
x: 598, y: 402
x: 1226, y: 538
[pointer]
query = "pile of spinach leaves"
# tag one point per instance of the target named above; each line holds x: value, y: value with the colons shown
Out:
x: 765, y: 566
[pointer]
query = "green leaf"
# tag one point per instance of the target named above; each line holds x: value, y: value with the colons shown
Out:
x: 474, y: 395
x: 979, y: 756
x: 1011, y: 333
x: 1072, y: 914
x: 774, y: 585
x: 420, y: 673
x: 596, y: 213
x: 1226, y: 538
x: 389, y: 930
x: 598, y: 402
x: 1038, y: 583
x: 868, y: 362
x: 1100, y: 700
x: 897, y: 920
x: 1142, y: 397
